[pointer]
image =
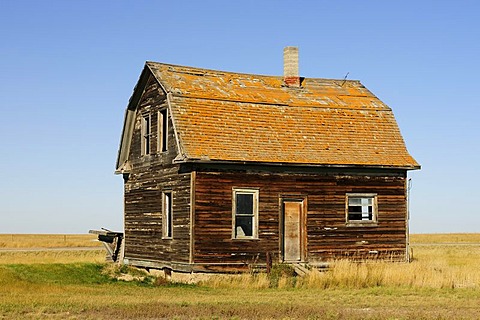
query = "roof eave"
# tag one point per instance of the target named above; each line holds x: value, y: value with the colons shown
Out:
x: 311, y: 165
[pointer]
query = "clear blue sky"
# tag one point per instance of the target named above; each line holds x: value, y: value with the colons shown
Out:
x: 68, y: 68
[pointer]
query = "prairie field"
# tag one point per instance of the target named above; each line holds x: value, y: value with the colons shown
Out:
x: 442, y: 282
x: 25, y: 241
x: 50, y: 248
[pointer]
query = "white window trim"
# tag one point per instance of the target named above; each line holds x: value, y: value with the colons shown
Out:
x: 374, y: 220
x: 146, y: 125
x: 167, y: 219
x: 255, y: 193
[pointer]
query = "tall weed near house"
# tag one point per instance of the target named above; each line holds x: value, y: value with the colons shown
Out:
x: 282, y: 276
x: 435, y: 266
x: 440, y: 261
x: 436, y: 272
x: 243, y: 280
x: 344, y: 274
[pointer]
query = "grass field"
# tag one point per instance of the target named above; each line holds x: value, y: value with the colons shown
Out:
x: 61, y: 248
x: 442, y: 282
x: 48, y: 240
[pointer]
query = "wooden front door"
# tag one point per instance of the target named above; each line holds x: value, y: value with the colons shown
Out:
x: 293, y: 230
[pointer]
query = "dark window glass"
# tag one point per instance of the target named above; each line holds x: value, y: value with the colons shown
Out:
x: 146, y: 134
x: 354, y: 213
x: 243, y: 226
x: 163, y: 130
x: 244, y: 214
x: 244, y: 203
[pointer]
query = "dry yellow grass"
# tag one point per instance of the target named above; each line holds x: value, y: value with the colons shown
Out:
x: 441, y: 283
x: 445, y: 238
x: 418, y: 274
x: 439, y: 261
x: 50, y: 248
x: 57, y: 256
x: 48, y: 240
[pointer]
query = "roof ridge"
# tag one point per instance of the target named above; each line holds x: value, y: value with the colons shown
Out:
x: 216, y: 72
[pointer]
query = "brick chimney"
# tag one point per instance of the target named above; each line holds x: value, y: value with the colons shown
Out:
x: 291, y: 75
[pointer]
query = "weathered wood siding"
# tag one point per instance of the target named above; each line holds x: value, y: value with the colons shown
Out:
x: 149, y: 177
x: 328, y: 236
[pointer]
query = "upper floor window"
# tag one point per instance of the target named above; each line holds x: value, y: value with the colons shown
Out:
x: 245, y: 214
x: 163, y: 130
x: 146, y: 134
x: 361, y: 208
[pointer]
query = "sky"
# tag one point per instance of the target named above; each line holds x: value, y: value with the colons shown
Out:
x: 68, y: 68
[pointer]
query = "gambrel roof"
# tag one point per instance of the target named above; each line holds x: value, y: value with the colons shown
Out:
x: 244, y: 118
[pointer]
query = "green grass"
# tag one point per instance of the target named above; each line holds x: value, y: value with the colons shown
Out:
x: 85, y: 290
x: 60, y: 274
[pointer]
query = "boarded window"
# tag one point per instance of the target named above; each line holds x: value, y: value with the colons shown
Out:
x: 361, y: 208
x: 163, y: 130
x: 146, y: 134
x: 167, y: 215
x: 245, y: 213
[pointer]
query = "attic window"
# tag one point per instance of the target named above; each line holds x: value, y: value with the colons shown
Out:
x: 245, y: 214
x: 146, y: 134
x: 361, y: 208
x: 163, y: 130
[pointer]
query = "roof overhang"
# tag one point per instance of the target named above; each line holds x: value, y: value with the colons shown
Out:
x: 299, y: 165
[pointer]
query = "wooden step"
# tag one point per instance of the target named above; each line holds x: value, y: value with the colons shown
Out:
x: 300, y: 270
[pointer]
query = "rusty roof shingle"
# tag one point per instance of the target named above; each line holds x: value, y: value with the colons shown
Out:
x: 225, y: 116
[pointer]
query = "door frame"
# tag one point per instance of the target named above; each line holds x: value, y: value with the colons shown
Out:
x: 303, y: 225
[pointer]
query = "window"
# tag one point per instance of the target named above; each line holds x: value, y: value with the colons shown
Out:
x: 245, y: 214
x: 163, y: 130
x: 361, y: 208
x: 167, y: 215
x: 146, y: 134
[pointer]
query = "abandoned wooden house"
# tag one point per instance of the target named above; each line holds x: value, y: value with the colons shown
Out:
x: 223, y: 169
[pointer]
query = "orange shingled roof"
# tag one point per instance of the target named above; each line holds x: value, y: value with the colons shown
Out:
x: 224, y: 116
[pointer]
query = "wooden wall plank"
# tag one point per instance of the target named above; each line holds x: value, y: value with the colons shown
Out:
x: 328, y: 236
x: 149, y: 177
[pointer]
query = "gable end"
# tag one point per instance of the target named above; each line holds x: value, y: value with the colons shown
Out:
x: 139, y: 96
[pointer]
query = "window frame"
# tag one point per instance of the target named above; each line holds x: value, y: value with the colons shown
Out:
x: 167, y: 214
x: 146, y: 134
x: 373, y: 221
x: 256, y: 195
x: 162, y: 126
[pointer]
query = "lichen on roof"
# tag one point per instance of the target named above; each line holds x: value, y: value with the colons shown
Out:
x: 226, y: 116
